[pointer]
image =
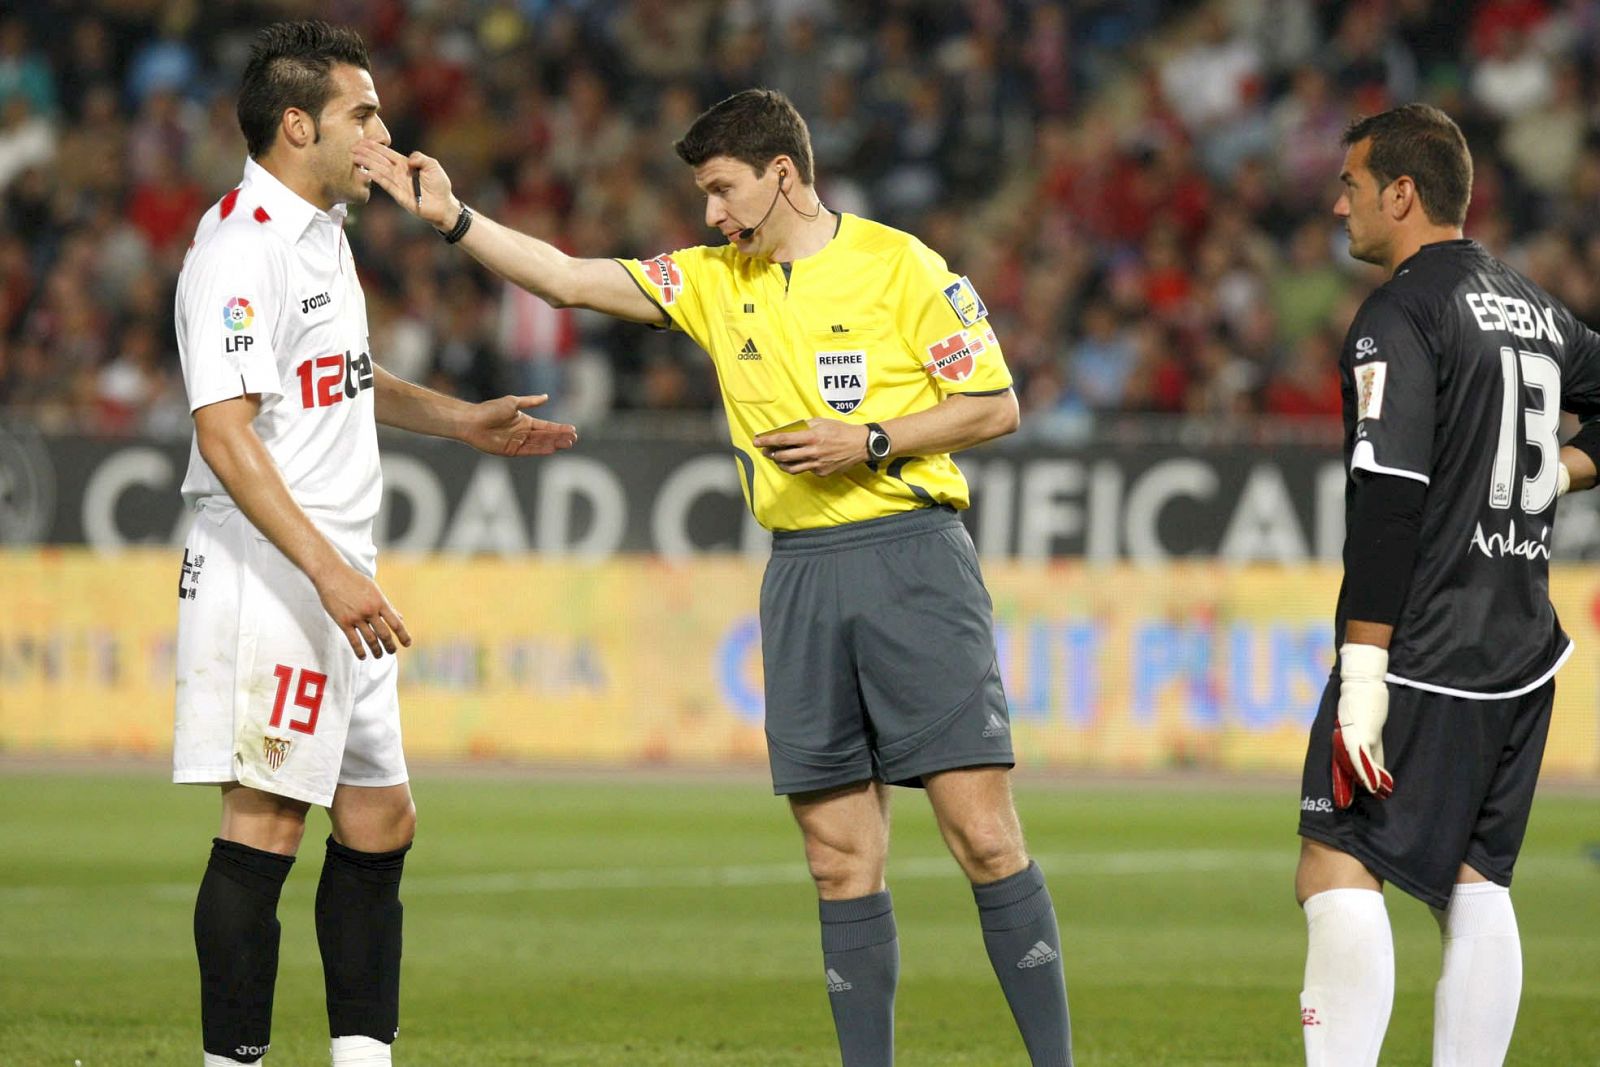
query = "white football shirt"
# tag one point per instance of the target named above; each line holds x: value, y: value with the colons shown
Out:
x: 268, y: 302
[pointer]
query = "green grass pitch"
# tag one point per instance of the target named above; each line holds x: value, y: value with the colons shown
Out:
x: 617, y: 921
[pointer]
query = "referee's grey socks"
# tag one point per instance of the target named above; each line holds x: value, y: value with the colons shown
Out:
x: 861, y: 957
x: 236, y: 940
x: 358, y: 932
x: 1024, y: 944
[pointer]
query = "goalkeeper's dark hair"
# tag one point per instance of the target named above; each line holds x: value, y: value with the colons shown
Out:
x: 755, y: 127
x: 1420, y: 142
x: 291, y: 65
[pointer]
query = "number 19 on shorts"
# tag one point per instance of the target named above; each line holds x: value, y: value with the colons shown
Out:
x: 307, y: 696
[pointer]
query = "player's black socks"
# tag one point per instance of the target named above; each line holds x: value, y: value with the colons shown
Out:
x: 861, y: 956
x: 358, y: 931
x: 236, y: 940
x: 1019, y: 930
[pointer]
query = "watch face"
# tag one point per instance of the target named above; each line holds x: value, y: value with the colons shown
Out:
x: 878, y: 444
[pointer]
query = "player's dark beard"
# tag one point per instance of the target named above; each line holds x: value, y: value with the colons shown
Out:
x: 347, y: 186
x: 1363, y: 250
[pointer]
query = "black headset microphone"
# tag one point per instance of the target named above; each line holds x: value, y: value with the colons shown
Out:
x: 750, y: 231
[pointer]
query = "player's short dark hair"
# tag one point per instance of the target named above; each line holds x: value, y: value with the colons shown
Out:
x: 755, y: 127
x: 291, y: 65
x: 1424, y: 144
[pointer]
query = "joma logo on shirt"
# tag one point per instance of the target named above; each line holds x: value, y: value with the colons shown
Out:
x: 310, y: 302
x: 327, y: 380
x: 1513, y: 315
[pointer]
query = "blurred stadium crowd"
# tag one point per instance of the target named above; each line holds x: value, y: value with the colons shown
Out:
x: 1140, y: 190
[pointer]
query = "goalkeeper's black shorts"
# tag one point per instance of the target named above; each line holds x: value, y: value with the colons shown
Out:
x: 1464, y: 773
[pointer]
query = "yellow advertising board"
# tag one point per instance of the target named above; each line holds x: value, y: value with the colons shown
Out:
x: 638, y: 660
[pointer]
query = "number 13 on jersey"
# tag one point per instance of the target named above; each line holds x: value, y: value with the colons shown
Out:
x: 1541, y: 428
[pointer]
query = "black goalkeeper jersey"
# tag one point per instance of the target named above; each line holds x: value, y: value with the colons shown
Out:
x: 1454, y: 374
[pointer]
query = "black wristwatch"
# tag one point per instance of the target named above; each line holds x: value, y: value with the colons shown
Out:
x: 877, y: 443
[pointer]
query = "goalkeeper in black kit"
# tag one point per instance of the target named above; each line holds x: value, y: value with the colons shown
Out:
x: 1422, y: 760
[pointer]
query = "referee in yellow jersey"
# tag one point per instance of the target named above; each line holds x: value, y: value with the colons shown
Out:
x: 852, y: 363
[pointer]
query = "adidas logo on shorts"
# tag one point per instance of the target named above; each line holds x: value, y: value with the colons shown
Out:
x: 996, y: 726
x: 836, y: 982
x: 1039, y: 955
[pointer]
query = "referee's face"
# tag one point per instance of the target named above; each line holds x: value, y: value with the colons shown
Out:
x: 350, y: 116
x: 736, y: 198
x: 1360, y: 206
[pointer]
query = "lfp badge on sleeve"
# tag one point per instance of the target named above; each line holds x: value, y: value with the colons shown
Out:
x: 965, y: 302
x: 842, y: 379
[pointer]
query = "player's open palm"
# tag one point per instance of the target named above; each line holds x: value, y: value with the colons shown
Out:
x: 368, y: 620
x: 501, y: 427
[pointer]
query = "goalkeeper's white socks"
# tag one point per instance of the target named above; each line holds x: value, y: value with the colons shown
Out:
x: 1349, y: 988
x: 1480, y: 981
x: 360, y: 1052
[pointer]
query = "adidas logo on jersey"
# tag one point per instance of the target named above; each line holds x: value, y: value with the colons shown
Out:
x: 836, y: 982
x: 750, y: 351
x: 995, y: 726
x: 1039, y: 955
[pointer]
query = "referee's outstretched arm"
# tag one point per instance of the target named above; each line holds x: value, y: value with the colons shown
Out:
x: 419, y: 184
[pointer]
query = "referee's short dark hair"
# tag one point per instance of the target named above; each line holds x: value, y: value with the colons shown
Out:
x: 291, y: 65
x: 1424, y: 144
x: 755, y: 127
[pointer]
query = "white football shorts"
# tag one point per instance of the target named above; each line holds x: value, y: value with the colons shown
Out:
x: 270, y: 694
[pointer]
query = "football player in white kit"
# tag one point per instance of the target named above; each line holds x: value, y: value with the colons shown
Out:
x: 278, y: 699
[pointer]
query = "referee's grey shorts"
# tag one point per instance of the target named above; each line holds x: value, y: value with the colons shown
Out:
x: 878, y: 643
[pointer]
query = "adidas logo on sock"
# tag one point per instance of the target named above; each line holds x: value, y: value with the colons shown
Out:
x: 836, y: 983
x: 750, y: 351
x: 1039, y: 955
x: 996, y: 726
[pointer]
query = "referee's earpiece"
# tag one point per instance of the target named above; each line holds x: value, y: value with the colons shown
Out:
x: 750, y: 231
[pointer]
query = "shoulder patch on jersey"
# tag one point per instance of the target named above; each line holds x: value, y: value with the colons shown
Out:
x: 965, y: 302
x: 1366, y: 348
x: 237, y: 314
x: 663, y: 273
x: 955, y: 357
x: 227, y: 202
x: 1369, y: 390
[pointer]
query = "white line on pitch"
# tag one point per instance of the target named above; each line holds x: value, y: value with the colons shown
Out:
x: 1061, y: 866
